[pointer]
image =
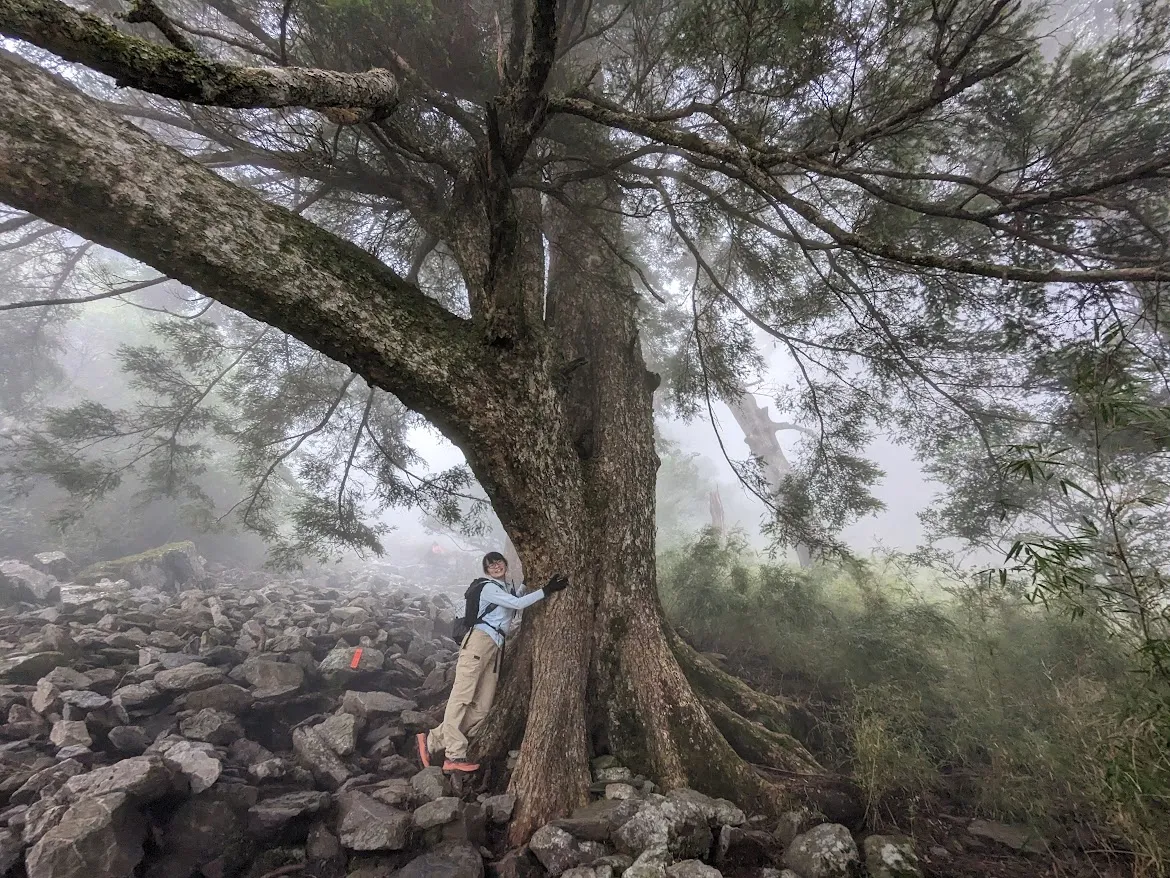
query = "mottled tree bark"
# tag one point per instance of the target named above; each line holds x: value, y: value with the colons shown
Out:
x: 185, y: 75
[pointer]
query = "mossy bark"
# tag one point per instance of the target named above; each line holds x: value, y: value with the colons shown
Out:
x: 185, y: 75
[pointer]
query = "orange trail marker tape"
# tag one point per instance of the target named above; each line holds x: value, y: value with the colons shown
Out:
x: 357, y: 658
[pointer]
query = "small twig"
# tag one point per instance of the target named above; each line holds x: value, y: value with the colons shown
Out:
x: 357, y: 439
x: 81, y: 300
x: 148, y: 12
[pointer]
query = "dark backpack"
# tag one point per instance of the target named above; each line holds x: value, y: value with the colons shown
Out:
x: 471, y: 614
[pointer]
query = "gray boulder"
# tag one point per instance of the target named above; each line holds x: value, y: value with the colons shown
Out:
x: 41, y: 816
x: 142, y: 778
x: 499, y: 808
x: 793, y: 823
x: 692, y: 869
x: 718, y: 812
x: 65, y: 678
x: 825, y: 851
x: 314, y: 754
x: 188, y: 678
x: 651, y: 864
x: 84, y: 699
x: 170, y: 568
x: 45, y: 782
x: 323, y: 849
x: 612, y: 774
x: 339, y: 733
x: 227, y: 697
x: 677, y: 826
x: 1020, y: 838
x: 617, y: 862
x: 397, y: 793
x: 56, y: 564
x: 11, y: 848
x: 271, y: 679
x: 19, y: 582
x: 139, y: 696
x: 68, y: 733
x: 891, y: 856
x: 558, y: 851
x: 440, y: 812
x: 101, y: 835
x: 430, y: 784
x: 197, y: 762
x: 165, y: 640
x: 597, y: 821
x: 375, y: 705
x: 452, y: 860
x: 212, y: 726
x: 621, y: 791
x: 340, y: 661
x: 268, y: 817
x: 128, y: 739
x: 171, y: 660
x: 366, y: 825
x: 23, y: 722
x: 30, y: 667
x: 268, y: 769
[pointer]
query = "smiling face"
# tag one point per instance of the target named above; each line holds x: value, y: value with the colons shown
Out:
x: 497, y: 569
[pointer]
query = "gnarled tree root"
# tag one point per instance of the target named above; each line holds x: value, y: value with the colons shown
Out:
x: 769, y: 711
x: 757, y: 743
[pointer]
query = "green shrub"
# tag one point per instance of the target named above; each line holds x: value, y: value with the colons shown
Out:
x: 929, y: 685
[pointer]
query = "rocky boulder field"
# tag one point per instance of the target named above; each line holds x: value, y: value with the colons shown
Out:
x: 186, y: 721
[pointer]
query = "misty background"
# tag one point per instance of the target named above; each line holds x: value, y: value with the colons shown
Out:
x: 84, y: 347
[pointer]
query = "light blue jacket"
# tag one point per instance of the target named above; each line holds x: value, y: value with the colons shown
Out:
x: 504, y: 618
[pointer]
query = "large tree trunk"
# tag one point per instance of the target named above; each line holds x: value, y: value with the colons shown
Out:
x: 600, y: 674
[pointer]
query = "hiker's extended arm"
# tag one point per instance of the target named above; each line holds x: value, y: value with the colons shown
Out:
x: 493, y: 594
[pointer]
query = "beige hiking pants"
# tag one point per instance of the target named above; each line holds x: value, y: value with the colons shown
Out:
x: 476, y: 674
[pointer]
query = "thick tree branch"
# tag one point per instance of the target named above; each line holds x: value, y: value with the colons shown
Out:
x: 73, y: 163
x: 186, y: 76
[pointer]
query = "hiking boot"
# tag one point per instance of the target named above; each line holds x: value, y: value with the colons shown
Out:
x: 424, y: 755
x: 460, y: 765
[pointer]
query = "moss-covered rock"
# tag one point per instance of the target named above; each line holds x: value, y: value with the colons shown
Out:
x: 891, y: 856
x: 825, y: 851
x: 170, y: 567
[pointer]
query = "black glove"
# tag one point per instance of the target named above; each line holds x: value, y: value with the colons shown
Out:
x: 557, y: 583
